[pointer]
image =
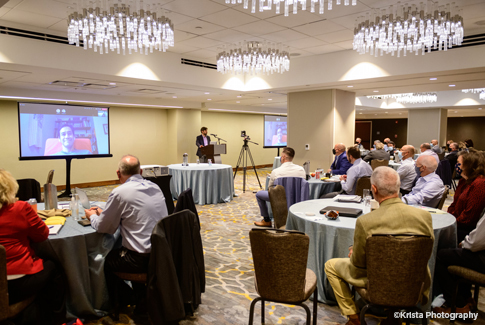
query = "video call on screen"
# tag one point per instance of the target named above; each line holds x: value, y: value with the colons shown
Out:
x: 275, y: 131
x: 62, y: 130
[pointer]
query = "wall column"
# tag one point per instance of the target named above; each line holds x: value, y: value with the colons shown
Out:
x: 320, y: 118
x: 425, y: 125
x: 183, y: 127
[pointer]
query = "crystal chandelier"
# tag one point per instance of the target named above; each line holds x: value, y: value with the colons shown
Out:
x: 268, y: 5
x: 410, y: 98
x: 253, y: 58
x: 409, y: 29
x: 479, y: 91
x: 110, y: 26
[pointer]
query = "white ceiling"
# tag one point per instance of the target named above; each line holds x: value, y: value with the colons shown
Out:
x: 203, y: 26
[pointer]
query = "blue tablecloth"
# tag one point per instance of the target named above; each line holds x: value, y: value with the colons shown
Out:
x: 276, y: 162
x: 394, y: 165
x: 317, y: 187
x: 332, y: 238
x: 81, y: 252
x: 209, y: 184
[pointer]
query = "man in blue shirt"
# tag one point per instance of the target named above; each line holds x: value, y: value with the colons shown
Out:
x: 340, y: 164
x: 359, y: 169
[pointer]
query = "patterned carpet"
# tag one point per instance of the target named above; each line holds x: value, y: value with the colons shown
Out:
x: 229, y: 268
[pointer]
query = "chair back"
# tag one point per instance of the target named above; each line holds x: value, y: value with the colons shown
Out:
x: 296, y: 189
x: 362, y: 184
x: 164, y: 183
x: 441, y: 155
x: 374, y: 163
x: 444, y: 171
x: 397, y: 267
x: 280, y: 260
x: 277, y: 198
x: 29, y: 188
x: 186, y: 201
x: 4, y: 307
x: 443, y: 197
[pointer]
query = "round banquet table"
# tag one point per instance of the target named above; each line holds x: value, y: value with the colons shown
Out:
x: 394, y: 165
x: 332, y: 238
x: 209, y: 184
x: 317, y: 187
x: 80, y: 251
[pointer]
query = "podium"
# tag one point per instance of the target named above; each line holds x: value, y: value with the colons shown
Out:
x: 214, y: 152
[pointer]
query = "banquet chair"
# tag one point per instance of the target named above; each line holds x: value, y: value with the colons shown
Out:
x: 186, y: 201
x: 397, y: 267
x: 466, y: 275
x: 29, y: 188
x: 378, y: 162
x: 296, y: 189
x: 277, y: 199
x: 280, y: 272
x: 443, y: 198
x: 363, y: 183
x: 6, y: 310
x: 441, y: 156
x: 164, y: 183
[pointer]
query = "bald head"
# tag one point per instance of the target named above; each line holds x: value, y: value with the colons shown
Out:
x: 339, y: 148
x: 434, y: 142
x: 407, y: 151
x: 385, y: 183
x: 424, y: 146
x: 129, y: 165
x: 429, y: 162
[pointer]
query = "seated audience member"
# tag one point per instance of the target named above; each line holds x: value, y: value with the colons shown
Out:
x: 358, y: 144
x: 429, y: 188
x: 392, y: 217
x: 391, y: 148
x: 469, y: 200
x: 374, y: 145
x: 469, y: 143
x: 379, y: 153
x: 359, y: 169
x: 452, y: 157
x: 435, y: 147
x: 27, y: 274
x: 448, y: 145
x: 66, y: 137
x: 470, y: 254
x: 426, y: 151
x: 386, y: 144
x: 135, y: 207
x: 287, y: 169
x: 406, y: 171
x: 340, y: 164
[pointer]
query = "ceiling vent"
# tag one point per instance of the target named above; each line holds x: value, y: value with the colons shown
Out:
x: 199, y: 64
x: 149, y: 91
x: 72, y: 84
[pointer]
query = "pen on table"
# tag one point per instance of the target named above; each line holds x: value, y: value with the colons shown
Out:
x: 50, y: 227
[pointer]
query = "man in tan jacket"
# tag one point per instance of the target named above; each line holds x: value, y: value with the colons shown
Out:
x: 392, y: 217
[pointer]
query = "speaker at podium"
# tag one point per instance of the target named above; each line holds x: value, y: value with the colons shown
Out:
x: 214, y: 152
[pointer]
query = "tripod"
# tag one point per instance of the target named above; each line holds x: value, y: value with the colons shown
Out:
x: 245, y: 149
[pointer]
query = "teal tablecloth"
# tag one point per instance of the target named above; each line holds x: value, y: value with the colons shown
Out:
x: 332, y: 238
x: 209, y: 184
x: 317, y: 187
x: 81, y: 252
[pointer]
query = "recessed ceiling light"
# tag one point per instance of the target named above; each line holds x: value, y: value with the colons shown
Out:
x: 237, y: 102
x: 456, y: 111
x: 400, y: 113
x: 360, y: 113
x: 174, y: 96
x: 433, y: 78
x: 207, y: 93
x: 479, y: 108
x: 262, y: 104
x: 239, y: 96
x: 112, y: 83
x: 452, y: 85
x: 375, y: 114
x: 270, y: 98
x: 387, y: 112
x: 209, y: 99
x: 376, y: 91
x: 350, y: 86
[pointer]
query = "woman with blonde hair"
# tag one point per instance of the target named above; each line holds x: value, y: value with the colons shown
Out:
x: 27, y: 274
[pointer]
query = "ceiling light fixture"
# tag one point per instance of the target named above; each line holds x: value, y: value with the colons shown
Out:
x: 350, y: 86
x: 433, y: 78
x: 117, y: 27
x: 409, y: 29
x: 410, y: 98
x: 452, y: 85
x: 268, y: 5
x: 253, y: 58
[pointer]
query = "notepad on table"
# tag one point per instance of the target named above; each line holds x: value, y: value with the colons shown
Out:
x: 54, y: 229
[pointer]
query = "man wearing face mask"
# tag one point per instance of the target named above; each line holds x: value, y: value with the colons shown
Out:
x: 452, y: 157
x: 406, y: 171
x: 287, y: 169
x: 435, y: 147
x: 391, y: 148
x: 426, y: 151
x: 340, y: 164
x: 429, y: 188
x: 386, y: 144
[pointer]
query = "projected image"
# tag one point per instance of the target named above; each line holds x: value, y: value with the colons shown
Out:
x: 275, y: 131
x: 62, y: 130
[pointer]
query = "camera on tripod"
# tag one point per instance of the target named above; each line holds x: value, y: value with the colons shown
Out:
x: 243, y: 135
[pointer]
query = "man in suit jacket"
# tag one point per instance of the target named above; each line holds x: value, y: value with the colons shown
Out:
x: 380, y: 153
x: 452, y: 157
x: 392, y: 217
x: 202, y: 140
x: 340, y: 164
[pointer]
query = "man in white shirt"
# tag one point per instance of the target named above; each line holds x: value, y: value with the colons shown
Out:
x: 287, y: 169
x: 426, y: 151
x: 429, y: 188
x: 359, y: 169
x: 406, y: 171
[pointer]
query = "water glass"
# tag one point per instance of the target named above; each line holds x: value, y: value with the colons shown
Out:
x: 366, y: 193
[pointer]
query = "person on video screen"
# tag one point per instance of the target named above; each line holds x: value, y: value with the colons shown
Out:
x: 279, y: 138
x: 66, y: 137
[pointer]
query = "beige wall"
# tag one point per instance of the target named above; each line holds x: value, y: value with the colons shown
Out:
x: 425, y: 125
x: 138, y: 131
x: 228, y: 126
x: 344, y: 110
